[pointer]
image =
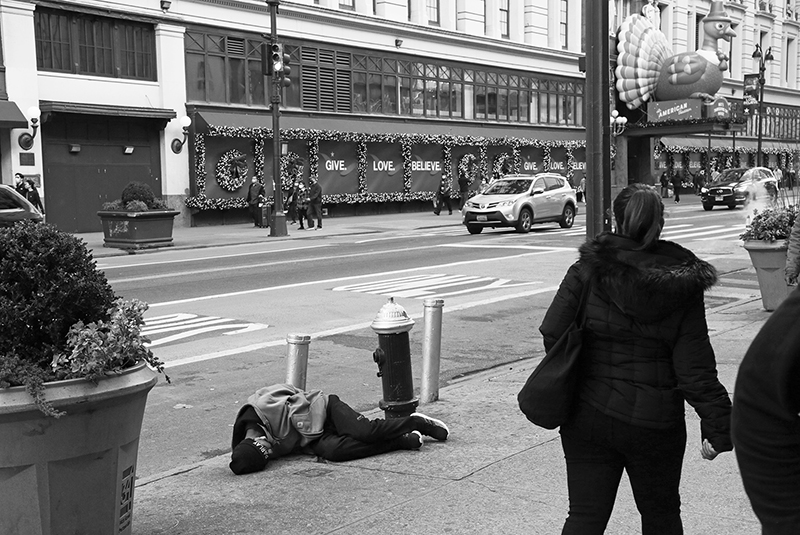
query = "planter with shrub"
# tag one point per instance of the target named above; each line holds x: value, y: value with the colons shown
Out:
x: 75, y: 372
x: 138, y: 220
x: 766, y: 240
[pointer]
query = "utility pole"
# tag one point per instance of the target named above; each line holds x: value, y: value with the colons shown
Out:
x: 277, y: 227
x: 598, y: 135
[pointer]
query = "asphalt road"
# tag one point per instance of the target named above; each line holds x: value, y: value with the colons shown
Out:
x: 219, y: 317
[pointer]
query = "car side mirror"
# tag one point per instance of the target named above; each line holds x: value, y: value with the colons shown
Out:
x: 537, y: 191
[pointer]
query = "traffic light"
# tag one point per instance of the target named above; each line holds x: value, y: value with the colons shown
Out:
x: 287, y: 71
x: 266, y: 64
x: 276, y: 57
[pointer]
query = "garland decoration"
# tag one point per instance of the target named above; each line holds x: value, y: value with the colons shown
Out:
x: 291, y: 164
x: 499, y: 167
x: 231, y: 170
x: 466, y: 167
x: 473, y: 164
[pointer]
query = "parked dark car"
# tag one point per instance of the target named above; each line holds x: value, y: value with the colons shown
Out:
x: 14, y: 207
x: 735, y: 187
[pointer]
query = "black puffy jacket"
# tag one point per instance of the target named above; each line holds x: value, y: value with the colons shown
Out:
x: 646, y: 347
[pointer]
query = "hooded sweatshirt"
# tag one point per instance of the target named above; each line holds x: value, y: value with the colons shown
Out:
x: 645, y: 347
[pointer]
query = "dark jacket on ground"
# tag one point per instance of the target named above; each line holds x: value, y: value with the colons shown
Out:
x: 646, y: 345
x: 766, y: 423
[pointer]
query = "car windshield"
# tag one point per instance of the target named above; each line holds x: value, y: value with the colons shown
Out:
x: 732, y: 175
x: 508, y: 187
x: 756, y: 174
x: 8, y: 201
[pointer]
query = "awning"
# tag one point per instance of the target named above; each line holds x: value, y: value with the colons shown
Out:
x: 700, y: 143
x: 50, y: 106
x: 205, y: 119
x: 11, y: 116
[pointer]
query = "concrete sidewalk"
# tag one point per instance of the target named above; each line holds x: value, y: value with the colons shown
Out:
x: 246, y: 233
x: 498, y: 474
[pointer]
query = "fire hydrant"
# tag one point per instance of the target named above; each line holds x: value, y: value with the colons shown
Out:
x: 393, y: 358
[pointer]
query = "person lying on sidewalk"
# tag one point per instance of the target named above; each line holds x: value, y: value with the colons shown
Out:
x: 281, y: 419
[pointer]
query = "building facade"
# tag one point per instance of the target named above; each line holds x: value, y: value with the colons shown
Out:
x: 387, y: 98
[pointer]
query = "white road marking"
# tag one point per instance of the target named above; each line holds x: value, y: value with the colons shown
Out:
x: 348, y: 328
x: 541, y: 251
x: 423, y: 286
x: 214, y: 257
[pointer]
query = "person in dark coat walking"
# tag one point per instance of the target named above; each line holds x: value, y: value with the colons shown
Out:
x: 315, y: 204
x: 677, y: 184
x: 765, y: 424
x: 443, y: 198
x: 301, y: 201
x: 255, y: 195
x: 282, y: 419
x: 646, y: 350
x: 464, y: 182
x: 27, y: 188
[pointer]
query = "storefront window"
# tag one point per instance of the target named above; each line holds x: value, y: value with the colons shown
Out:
x: 359, y: 92
x: 236, y: 83
x: 405, y: 96
x: 417, y: 95
x: 390, y: 94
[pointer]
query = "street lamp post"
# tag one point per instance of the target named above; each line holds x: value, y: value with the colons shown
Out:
x: 762, y: 66
x: 277, y: 226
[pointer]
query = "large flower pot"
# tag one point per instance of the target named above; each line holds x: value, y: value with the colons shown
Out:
x: 137, y: 230
x: 73, y: 474
x: 769, y: 259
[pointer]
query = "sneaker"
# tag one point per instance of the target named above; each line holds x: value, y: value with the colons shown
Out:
x: 412, y: 440
x: 319, y: 227
x: 431, y: 426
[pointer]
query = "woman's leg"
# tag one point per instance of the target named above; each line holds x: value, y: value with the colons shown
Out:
x: 654, y: 468
x: 593, y: 474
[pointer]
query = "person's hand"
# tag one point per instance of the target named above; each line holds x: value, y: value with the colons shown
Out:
x: 707, y: 451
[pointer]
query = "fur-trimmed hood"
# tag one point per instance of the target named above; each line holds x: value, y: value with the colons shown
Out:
x: 647, y: 284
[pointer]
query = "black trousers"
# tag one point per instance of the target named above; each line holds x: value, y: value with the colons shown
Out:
x: 598, y: 448
x: 350, y: 435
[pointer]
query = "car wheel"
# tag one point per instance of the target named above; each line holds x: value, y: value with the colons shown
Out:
x: 525, y: 221
x: 474, y: 229
x: 708, y: 207
x: 567, y: 217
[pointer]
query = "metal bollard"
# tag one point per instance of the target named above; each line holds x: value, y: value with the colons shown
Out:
x: 393, y: 358
x: 297, y: 359
x: 431, y: 350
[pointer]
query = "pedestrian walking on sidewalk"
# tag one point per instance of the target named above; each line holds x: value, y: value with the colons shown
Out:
x: 302, y: 200
x: 255, y: 196
x: 766, y: 423
x: 281, y: 419
x: 443, y: 197
x: 645, y: 351
x: 315, y: 204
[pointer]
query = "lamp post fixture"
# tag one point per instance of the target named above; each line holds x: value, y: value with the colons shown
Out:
x: 762, y: 61
x: 277, y: 227
x: 618, y: 123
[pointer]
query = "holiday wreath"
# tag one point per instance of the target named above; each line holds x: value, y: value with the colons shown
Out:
x: 231, y: 172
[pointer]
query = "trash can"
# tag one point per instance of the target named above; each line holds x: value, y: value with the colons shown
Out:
x: 263, y: 215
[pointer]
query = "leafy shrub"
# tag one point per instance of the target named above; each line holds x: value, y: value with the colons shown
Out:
x: 136, y: 197
x: 136, y: 206
x: 137, y: 191
x: 771, y: 224
x: 57, y: 310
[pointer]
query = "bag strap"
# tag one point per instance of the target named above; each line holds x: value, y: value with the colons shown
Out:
x: 580, y: 314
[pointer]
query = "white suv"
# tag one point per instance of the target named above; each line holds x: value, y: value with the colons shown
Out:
x: 521, y: 200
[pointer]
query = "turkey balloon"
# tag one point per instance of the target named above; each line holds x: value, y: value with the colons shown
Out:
x: 647, y: 69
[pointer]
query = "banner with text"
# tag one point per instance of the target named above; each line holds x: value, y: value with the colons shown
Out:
x: 426, y: 167
x: 338, y: 167
x: 384, y: 168
x: 532, y: 159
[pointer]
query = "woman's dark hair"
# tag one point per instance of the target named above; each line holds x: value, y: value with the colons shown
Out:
x: 639, y: 213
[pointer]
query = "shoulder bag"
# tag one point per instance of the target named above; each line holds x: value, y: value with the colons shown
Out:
x: 548, y: 394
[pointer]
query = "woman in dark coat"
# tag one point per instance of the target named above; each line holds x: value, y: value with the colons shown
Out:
x: 766, y: 423
x: 645, y: 351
